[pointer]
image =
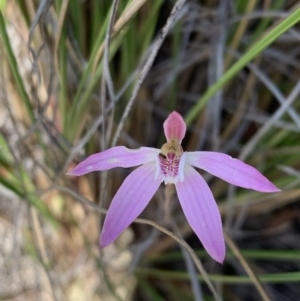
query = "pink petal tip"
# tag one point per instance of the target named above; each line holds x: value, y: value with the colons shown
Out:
x: 174, y: 127
x: 202, y: 212
x: 129, y: 201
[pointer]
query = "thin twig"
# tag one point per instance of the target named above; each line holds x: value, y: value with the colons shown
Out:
x: 171, y: 20
x: 262, y: 76
x: 183, y: 58
x: 106, y: 79
x: 260, y: 118
x: 268, y: 125
x: 41, y: 248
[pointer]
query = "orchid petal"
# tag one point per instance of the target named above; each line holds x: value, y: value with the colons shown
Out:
x: 174, y: 127
x: 231, y: 170
x: 202, y: 212
x: 119, y: 156
x: 129, y: 201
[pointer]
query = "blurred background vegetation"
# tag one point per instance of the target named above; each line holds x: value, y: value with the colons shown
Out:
x: 70, y: 71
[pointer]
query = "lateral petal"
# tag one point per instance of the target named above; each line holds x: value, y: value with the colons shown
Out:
x: 202, y: 212
x: 174, y: 127
x: 231, y: 170
x: 119, y: 156
x: 129, y: 201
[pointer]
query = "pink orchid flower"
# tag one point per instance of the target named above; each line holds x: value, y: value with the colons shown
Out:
x: 172, y: 165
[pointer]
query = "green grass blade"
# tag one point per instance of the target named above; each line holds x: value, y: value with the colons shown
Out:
x: 277, y: 255
x: 14, y: 68
x: 149, y: 290
x: 225, y: 279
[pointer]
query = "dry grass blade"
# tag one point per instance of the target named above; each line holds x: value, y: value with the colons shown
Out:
x: 240, y: 32
x: 197, y: 292
x: 188, y: 248
x: 246, y: 267
x: 239, y: 114
x: 61, y: 19
x: 124, y: 18
x: 40, y: 245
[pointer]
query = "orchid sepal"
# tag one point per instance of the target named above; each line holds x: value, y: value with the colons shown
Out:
x: 129, y: 201
x: 118, y: 156
x: 231, y: 170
